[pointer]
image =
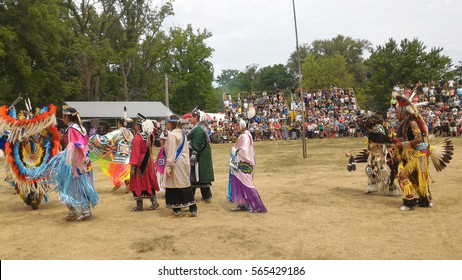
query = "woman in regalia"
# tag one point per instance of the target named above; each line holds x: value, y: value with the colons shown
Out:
x: 71, y: 169
x: 113, y: 152
x: 143, y: 180
x: 178, y: 192
x: 242, y: 188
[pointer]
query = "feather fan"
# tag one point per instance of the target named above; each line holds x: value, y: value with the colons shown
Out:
x: 441, y: 154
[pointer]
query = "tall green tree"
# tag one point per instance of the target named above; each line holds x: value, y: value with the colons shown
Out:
x: 403, y: 64
x: 141, y: 32
x: 352, y: 50
x: 248, y: 77
x: 31, y: 35
x: 322, y: 72
x: 90, y: 22
x: 456, y: 72
x: 191, y: 74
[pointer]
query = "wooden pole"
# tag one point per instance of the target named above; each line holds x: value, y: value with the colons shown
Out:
x: 303, y: 134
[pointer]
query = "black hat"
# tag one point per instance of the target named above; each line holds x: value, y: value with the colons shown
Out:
x: 140, y: 119
x: 173, y: 118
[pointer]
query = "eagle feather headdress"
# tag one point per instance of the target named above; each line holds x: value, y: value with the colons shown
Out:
x: 440, y: 153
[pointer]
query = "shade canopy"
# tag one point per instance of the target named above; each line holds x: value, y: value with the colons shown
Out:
x: 115, y: 109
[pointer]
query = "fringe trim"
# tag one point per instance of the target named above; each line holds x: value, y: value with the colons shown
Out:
x: 117, y: 172
x: 418, y: 162
x: 77, y: 192
x: 21, y: 129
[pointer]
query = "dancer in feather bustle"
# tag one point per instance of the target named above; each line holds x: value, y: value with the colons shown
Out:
x: 31, y: 140
x: 113, y: 152
x: 408, y: 155
x: 414, y: 154
x: 382, y: 165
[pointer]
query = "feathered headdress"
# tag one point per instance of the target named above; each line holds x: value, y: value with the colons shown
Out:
x: 125, y: 117
x: 410, y: 107
x: 200, y: 114
x: 69, y: 110
x: 373, y: 123
x: 148, y: 126
x: 405, y: 102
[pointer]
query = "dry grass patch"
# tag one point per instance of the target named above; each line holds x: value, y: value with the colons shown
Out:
x: 316, y: 211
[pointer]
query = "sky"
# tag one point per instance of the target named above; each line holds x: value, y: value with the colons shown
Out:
x: 262, y: 32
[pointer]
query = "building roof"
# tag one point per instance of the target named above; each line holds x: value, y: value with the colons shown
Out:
x: 114, y: 109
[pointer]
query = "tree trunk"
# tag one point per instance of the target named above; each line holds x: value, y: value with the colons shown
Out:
x: 96, y: 88
x: 87, y: 76
x: 125, y: 73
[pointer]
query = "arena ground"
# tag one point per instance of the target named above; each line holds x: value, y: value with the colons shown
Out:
x: 316, y: 211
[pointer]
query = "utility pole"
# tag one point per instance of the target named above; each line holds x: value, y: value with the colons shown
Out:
x: 166, y: 91
x: 302, y: 104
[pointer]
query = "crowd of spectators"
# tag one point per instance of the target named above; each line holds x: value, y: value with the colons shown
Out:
x: 331, y: 113
x: 443, y: 112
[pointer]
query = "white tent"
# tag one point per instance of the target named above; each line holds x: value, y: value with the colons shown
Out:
x: 114, y: 109
x: 217, y: 116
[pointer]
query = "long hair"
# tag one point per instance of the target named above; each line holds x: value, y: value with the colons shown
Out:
x: 73, y: 115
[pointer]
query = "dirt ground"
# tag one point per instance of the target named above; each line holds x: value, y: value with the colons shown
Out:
x: 316, y: 211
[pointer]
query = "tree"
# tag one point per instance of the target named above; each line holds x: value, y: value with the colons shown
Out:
x: 235, y: 81
x: 273, y: 78
x: 292, y: 63
x: 190, y: 73
x: 405, y: 64
x: 228, y: 81
x: 325, y: 71
x: 31, y: 51
x: 90, y: 22
x: 352, y: 50
x: 454, y: 73
x: 248, y: 77
x: 140, y: 33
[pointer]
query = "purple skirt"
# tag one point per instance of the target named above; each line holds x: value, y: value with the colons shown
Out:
x: 243, y: 195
